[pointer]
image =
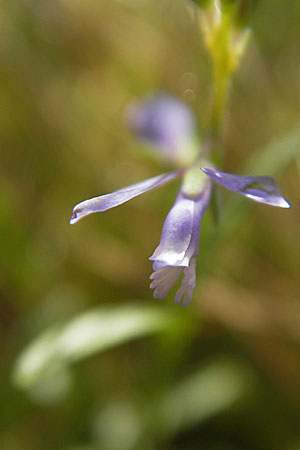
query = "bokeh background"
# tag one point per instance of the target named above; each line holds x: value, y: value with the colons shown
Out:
x: 89, y: 361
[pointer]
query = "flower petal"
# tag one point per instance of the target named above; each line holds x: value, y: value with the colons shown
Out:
x: 180, y: 234
x: 116, y: 198
x: 188, y: 284
x: 176, y: 233
x: 179, y: 243
x: 163, y: 280
x: 257, y: 188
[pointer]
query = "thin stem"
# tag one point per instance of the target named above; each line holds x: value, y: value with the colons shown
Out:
x: 222, y: 69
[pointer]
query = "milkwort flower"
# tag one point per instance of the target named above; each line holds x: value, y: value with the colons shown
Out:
x: 166, y: 123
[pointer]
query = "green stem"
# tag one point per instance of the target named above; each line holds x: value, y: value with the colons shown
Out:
x: 218, y: 31
x: 221, y: 75
x: 220, y: 95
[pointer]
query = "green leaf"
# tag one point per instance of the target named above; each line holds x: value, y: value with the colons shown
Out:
x: 205, y: 393
x: 87, y: 334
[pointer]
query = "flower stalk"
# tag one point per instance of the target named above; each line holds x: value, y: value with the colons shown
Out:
x: 225, y: 45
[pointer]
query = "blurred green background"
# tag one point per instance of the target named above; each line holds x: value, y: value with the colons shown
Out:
x: 89, y: 361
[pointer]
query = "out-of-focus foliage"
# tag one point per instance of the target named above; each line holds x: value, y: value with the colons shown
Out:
x: 92, y: 332
x: 89, y: 361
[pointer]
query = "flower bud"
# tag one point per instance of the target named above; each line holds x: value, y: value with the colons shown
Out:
x: 165, y: 123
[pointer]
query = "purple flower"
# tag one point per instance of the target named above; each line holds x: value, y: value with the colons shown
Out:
x: 166, y: 122
x: 177, y: 251
x: 179, y: 243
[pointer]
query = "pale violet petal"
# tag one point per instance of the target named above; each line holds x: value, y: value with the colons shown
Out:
x: 201, y: 203
x: 178, y: 247
x: 158, y: 265
x: 116, y: 198
x: 180, y: 234
x: 176, y: 233
x: 188, y: 284
x: 258, y: 188
x: 163, y: 280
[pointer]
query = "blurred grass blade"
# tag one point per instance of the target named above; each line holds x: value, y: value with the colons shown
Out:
x: 99, y: 330
x: 275, y: 156
x: 87, y: 334
x: 209, y: 391
x: 38, y: 360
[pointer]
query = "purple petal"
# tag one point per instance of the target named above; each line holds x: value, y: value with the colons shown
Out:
x: 163, y: 280
x: 176, y: 233
x: 187, y: 285
x: 180, y: 234
x: 259, y: 189
x: 178, y: 247
x: 116, y: 198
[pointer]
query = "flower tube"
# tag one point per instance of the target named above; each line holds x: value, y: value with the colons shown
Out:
x: 179, y: 242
